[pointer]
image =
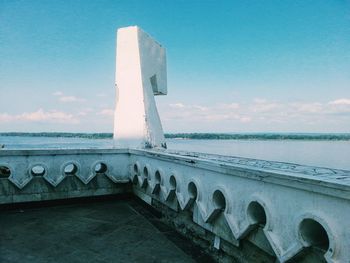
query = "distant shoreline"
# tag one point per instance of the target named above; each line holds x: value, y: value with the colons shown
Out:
x: 200, y: 136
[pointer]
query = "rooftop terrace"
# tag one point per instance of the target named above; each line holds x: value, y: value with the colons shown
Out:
x: 105, y: 230
x: 237, y: 209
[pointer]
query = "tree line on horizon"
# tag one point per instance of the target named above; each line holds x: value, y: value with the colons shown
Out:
x: 200, y: 136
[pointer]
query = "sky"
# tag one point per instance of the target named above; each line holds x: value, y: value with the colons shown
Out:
x: 233, y: 66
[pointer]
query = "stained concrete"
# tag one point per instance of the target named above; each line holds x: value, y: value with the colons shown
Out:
x: 108, y: 231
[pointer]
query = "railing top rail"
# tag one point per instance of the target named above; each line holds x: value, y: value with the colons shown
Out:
x: 334, y: 182
x: 66, y: 151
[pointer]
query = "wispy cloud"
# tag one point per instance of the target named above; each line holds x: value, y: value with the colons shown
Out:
x: 106, y: 112
x: 340, y: 102
x: 57, y: 93
x: 71, y: 99
x: 204, y: 113
x: 67, y: 99
x: 176, y: 105
x: 5, y: 117
x: 40, y: 115
x: 260, y: 111
x: 85, y: 111
x: 262, y: 105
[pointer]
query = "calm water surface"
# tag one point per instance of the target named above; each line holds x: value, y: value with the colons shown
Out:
x: 332, y: 154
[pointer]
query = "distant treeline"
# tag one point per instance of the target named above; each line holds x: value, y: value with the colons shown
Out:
x: 60, y: 134
x: 201, y: 136
x: 261, y: 136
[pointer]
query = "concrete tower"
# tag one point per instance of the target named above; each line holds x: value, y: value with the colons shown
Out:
x: 140, y: 74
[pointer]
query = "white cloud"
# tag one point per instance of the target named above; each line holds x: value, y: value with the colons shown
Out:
x: 264, y: 107
x: 245, y: 119
x: 258, y: 112
x: 4, y: 117
x: 259, y: 100
x: 199, y: 107
x: 85, y: 111
x: 71, y: 99
x: 230, y: 106
x: 40, y: 115
x: 177, y: 105
x: 57, y: 93
x: 220, y: 112
x: 340, y: 102
x: 106, y: 112
x: 64, y: 98
x: 312, y: 107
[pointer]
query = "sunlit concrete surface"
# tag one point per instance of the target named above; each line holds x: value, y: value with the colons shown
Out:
x: 140, y: 74
x: 108, y: 231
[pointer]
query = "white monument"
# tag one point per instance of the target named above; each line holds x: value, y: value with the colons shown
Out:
x: 140, y: 74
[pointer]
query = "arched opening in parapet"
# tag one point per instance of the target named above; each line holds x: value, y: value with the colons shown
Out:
x: 136, y: 169
x: 4, y: 171
x: 100, y: 168
x: 145, y: 172
x: 172, y: 182
x: 219, y: 200
x: 192, y: 190
x: 135, y: 173
x: 314, y: 234
x: 157, y: 177
x: 257, y: 218
x: 256, y: 213
x: 37, y: 170
x: 70, y: 169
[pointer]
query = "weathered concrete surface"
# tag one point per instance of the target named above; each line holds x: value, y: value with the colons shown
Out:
x: 71, y: 187
x: 248, y: 251
x: 140, y: 74
x: 297, y: 209
x: 182, y: 222
x: 92, y: 173
x: 108, y: 231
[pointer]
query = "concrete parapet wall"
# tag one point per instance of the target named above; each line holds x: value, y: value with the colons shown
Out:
x: 295, y: 207
x: 37, y: 175
x: 285, y: 210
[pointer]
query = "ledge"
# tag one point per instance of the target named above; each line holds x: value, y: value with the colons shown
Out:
x: 327, y: 181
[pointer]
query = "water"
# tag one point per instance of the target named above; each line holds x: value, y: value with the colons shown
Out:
x: 33, y: 142
x: 332, y: 154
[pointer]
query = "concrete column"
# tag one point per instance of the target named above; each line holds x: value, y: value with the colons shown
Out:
x: 140, y: 74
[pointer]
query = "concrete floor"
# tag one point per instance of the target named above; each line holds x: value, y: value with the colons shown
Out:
x: 108, y: 231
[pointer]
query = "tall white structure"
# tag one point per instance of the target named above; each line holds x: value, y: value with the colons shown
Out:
x: 140, y: 74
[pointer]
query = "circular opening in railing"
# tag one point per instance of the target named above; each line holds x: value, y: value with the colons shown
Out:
x: 70, y: 169
x: 256, y: 213
x: 314, y: 234
x: 219, y: 200
x: 172, y: 182
x: 145, y: 172
x: 100, y: 168
x: 38, y: 170
x: 5, y: 171
x: 158, y: 177
x: 192, y: 190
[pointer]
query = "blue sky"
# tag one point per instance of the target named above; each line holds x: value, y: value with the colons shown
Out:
x: 233, y: 66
